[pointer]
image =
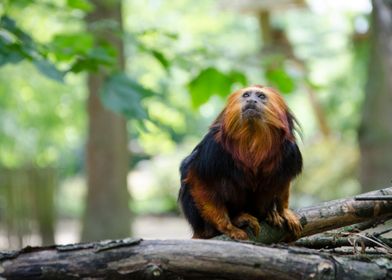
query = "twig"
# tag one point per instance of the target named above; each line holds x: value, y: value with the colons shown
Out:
x: 351, y: 239
x: 380, y: 197
x: 377, y: 234
x: 377, y: 241
x: 365, y: 225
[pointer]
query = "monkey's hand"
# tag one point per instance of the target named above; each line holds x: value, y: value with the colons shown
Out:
x: 245, y: 219
x: 235, y: 233
x: 274, y: 218
x: 293, y: 224
x: 287, y: 217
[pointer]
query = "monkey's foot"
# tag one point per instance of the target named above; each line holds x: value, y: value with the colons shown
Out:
x: 235, y: 233
x: 275, y: 219
x: 245, y: 219
x: 293, y: 224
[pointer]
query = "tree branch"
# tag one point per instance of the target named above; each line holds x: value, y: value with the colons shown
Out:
x: 185, y: 259
x: 327, y: 216
x: 352, y: 240
x: 211, y: 259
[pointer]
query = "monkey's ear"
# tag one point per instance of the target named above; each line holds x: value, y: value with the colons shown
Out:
x: 258, y: 86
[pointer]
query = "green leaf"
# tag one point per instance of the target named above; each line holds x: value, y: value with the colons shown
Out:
x: 21, y: 3
x: 104, y: 54
x: 280, y: 79
x: 96, y: 57
x: 9, y: 24
x: 123, y: 95
x: 211, y: 81
x: 83, y: 5
x: 238, y: 77
x: 49, y: 70
x: 10, y: 56
x: 16, y: 45
x: 10, y: 52
x: 158, y: 55
x: 6, y: 37
x: 67, y: 46
x: 161, y: 58
x: 84, y: 64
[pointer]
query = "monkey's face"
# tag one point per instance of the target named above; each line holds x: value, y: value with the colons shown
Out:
x: 259, y: 104
x: 253, y: 102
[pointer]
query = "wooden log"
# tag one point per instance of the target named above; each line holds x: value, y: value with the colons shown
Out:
x: 210, y: 259
x: 372, y: 223
x: 327, y: 216
x: 351, y: 235
x: 330, y: 242
x: 186, y: 259
x: 343, y: 212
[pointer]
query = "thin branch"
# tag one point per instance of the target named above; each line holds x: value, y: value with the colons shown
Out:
x: 365, y: 225
x: 377, y: 234
x: 352, y: 239
x: 377, y: 241
x: 380, y: 197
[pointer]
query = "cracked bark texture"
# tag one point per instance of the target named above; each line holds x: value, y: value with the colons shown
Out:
x: 327, y: 216
x: 212, y: 259
x: 186, y: 259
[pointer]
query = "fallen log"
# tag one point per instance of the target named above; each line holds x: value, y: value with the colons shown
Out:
x: 327, y: 216
x: 187, y: 259
x: 212, y: 259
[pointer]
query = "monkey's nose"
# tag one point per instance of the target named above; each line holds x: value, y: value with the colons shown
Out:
x: 251, y: 101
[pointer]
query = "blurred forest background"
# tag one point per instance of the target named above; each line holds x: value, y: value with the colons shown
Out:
x: 101, y: 99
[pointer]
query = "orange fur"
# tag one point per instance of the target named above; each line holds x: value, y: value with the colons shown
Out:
x: 212, y: 212
x: 254, y: 142
x: 240, y: 172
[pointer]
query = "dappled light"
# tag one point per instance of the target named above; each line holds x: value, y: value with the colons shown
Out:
x: 100, y: 102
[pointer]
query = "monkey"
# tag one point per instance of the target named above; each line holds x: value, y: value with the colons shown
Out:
x: 240, y: 172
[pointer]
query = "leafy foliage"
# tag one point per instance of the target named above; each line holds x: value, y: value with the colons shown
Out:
x: 83, y: 5
x: 16, y: 45
x: 279, y: 78
x: 211, y: 81
x: 173, y: 52
x: 68, y: 46
x: 123, y: 95
x: 81, y: 52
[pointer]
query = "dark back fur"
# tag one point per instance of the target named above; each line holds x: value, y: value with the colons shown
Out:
x: 240, y: 184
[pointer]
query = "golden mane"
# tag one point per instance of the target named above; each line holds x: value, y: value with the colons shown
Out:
x: 255, y: 141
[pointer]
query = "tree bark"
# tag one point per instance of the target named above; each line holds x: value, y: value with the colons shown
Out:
x: 375, y: 133
x: 329, y: 242
x: 327, y: 216
x: 187, y: 259
x: 211, y: 259
x: 107, y: 211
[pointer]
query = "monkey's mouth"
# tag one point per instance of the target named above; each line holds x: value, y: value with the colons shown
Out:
x: 250, y: 112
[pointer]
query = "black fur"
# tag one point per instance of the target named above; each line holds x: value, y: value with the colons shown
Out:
x: 239, y: 190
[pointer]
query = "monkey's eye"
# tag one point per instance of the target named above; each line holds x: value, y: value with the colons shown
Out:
x: 262, y: 96
x: 246, y: 94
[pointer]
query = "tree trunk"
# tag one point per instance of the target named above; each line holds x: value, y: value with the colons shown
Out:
x: 187, y: 259
x: 275, y: 41
x: 375, y: 133
x: 107, y: 212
